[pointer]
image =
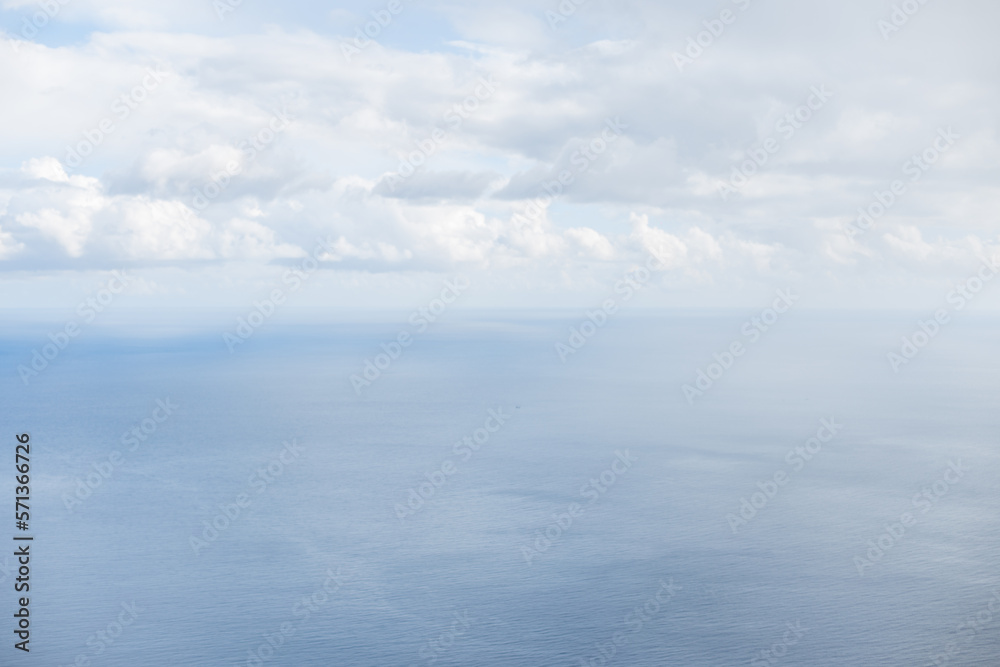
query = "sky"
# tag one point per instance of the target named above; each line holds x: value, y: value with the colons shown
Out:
x: 540, y: 150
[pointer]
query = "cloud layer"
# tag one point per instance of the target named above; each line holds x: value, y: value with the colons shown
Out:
x: 548, y: 145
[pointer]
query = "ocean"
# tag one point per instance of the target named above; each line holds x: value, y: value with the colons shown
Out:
x: 481, y: 498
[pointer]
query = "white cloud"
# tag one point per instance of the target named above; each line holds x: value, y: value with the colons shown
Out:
x: 591, y: 243
x: 653, y: 189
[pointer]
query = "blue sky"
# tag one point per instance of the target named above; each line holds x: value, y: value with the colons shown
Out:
x: 351, y: 124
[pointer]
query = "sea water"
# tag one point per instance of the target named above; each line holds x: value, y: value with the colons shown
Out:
x: 483, y: 500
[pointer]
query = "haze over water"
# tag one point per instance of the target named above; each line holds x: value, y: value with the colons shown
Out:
x: 450, y: 583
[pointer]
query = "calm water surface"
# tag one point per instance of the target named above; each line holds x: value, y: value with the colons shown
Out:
x: 657, y: 556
